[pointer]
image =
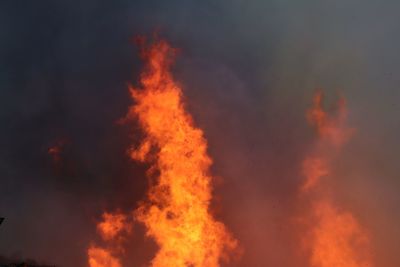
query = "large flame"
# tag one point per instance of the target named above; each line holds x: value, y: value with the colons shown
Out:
x: 337, y: 238
x: 177, y: 212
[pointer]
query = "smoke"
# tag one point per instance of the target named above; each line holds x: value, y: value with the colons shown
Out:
x: 248, y: 70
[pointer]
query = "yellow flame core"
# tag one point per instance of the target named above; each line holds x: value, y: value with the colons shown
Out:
x: 176, y: 213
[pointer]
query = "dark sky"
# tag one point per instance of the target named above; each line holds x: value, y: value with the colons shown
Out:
x: 248, y: 70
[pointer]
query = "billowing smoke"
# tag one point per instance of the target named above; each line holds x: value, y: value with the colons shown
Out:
x: 248, y: 70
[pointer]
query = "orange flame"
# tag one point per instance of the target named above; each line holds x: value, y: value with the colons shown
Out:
x: 331, y: 129
x: 113, y: 225
x: 176, y: 213
x: 337, y: 239
x: 333, y: 134
x: 314, y: 168
x: 99, y: 257
x: 112, y: 229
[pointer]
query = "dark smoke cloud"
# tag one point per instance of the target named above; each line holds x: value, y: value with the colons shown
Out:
x: 248, y: 69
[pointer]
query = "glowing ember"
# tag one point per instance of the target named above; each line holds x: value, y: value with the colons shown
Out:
x: 56, y: 150
x: 337, y: 239
x: 176, y: 213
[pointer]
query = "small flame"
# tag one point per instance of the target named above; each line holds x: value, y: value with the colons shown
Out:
x: 337, y: 239
x: 314, y: 169
x: 113, y: 229
x: 113, y: 225
x: 329, y: 128
x: 99, y: 257
x: 176, y: 213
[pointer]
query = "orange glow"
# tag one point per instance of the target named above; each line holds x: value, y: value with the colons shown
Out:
x: 314, y: 168
x: 113, y: 225
x: 99, y: 257
x: 56, y: 150
x: 336, y: 237
x: 333, y: 133
x: 177, y: 212
x: 329, y: 128
x: 113, y: 229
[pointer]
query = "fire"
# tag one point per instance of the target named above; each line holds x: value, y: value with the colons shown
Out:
x: 113, y: 229
x: 113, y: 225
x: 330, y: 128
x: 177, y: 210
x: 314, y: 169
x: 337, y: 238
x: 99, y: 257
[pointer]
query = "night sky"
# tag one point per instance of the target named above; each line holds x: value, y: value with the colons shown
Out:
x: 248, y: 69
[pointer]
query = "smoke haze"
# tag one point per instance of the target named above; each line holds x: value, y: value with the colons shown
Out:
x: 248, y: 70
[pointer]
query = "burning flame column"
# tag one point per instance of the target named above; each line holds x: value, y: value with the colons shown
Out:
x: 176, y: 213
